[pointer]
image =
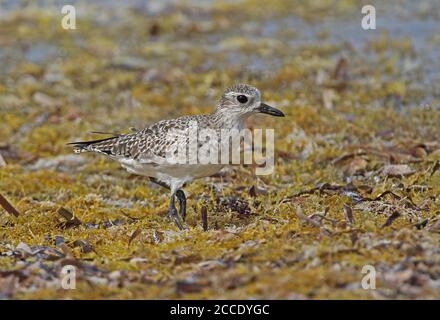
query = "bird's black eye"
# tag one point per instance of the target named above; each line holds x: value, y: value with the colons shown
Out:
x: 242, y: 99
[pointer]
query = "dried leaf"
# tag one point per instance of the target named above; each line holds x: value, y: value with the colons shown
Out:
x: 24, y: 249
x: 325, y: 232
x: 383, y: 194
x: 340, y: 73
x: 85, y: 246
x: 189, y: 258
x: 390, y: 219
x: 72, y: 221
x: 303, y: 218
x: 347, y: 156
x: 66, y: 250
x: 190, y: 286
x: 212, y: 264
x: 59, y: 240
x: 134, y: 235
x: 254, y: 191
x: 419, y: 152
x: 355, y: 166
x: 397, y: 170
x: 154, y: 29
x: 398, y: 277
x: 222, y: 235
x: 138, y: 260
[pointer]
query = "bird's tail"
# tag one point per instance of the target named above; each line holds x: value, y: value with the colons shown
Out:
x: 86, y: 146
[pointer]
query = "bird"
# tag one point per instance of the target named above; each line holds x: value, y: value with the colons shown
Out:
x: 146, y: 152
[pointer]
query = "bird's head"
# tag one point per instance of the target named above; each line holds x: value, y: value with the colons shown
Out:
x: 243, y: 100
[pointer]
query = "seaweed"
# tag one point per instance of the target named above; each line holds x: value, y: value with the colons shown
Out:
x: 356, y: 178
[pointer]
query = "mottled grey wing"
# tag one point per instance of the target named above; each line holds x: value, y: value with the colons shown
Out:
x: 149, y: 145
x: 118, y: 146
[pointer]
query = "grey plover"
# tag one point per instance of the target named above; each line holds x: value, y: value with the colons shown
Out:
x: 145, y: 152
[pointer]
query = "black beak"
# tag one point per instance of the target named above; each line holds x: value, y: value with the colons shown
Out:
x: 264, y: 108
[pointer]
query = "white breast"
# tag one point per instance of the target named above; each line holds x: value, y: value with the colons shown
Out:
x: 164, y: 172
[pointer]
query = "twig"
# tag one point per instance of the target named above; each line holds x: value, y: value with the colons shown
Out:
x: 308, y: 220
x: 305, y: 219
x: 8, y: 207
x: 348, y: 214
x: 321, y: 188
x: 134, y: 235
x: 435, y: 168
x: 322, y: 217
x: 383, y: 194
x: 204, y: 218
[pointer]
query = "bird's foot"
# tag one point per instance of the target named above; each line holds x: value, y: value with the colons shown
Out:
x: 174, y: 216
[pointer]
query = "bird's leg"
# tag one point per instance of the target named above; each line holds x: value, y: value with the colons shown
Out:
x: 160, y: 183
x: 179, y: 194
x: 173, y: 212
x: 182, y: 203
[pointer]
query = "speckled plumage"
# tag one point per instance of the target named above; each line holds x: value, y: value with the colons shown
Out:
x: 149, y: 142
x: 145, y: 152
x: 152, y: 142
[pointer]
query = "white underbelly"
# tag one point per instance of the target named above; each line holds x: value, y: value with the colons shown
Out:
x: 185, y: 172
